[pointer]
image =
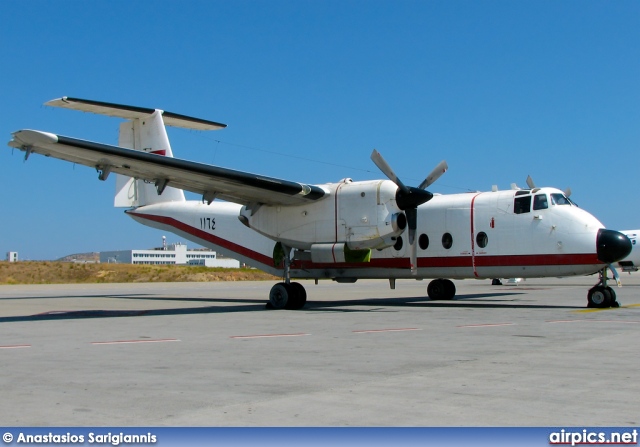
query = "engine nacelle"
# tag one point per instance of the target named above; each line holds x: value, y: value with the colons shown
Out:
x: 362, y: 215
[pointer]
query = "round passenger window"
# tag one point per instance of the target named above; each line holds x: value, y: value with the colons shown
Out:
x: 482, y: 239
x: 447, y: 240
x: 398, y: 244
x: 423, y: 241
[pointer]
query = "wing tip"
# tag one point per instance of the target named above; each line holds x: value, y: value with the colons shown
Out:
x: 28, y: 137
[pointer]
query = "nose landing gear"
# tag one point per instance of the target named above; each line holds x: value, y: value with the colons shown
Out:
x: 601, y: 295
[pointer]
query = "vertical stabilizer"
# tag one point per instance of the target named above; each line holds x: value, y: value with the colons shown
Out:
x: 146, y: 134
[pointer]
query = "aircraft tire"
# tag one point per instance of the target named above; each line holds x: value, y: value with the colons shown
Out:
x: 449, y: 289
x: 436, y: 290
x: 297, y: 297
x: 614, y: 300
x: 279, y: 296
x: 599, y: 297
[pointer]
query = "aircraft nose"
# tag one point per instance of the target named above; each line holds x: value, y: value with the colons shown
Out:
x: 612, y: 246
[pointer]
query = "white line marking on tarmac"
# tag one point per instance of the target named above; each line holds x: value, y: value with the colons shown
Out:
x: 15, y: 346
x: 372, y: 331
x: 269, y: 335
x: 487, y: 325
x: 123, y: 342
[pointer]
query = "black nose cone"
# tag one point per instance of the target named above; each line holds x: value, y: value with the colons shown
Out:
x: 612, y: 246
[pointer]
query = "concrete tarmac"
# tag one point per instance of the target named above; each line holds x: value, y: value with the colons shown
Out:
x: 210, y: 354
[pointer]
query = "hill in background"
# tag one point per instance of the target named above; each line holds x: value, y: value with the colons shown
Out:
x: 93, y: 256
x: 55, y: 272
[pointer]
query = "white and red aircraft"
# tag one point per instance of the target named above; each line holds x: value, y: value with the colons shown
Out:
x: 341, y: 231
x: 631, y: 262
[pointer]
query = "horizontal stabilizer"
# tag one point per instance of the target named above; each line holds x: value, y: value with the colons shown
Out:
x: 132, y: 112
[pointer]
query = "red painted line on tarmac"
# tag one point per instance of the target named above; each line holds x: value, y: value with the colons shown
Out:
x: 594, y: 321
x: 488, y: 325
x: 370, y: 331
x: 122, y: 342
x: 269, y: 335
x: 615, y: 321
x: 14, y: 346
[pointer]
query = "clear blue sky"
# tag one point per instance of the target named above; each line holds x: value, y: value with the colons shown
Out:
x: 500, y: 89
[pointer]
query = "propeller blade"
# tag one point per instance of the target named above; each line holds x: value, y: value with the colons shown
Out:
x: 530, y: 183
x: 440, y: 169
x: 386, y: 169
x: 615, y: 275
x: 412, y: 223
x: 413, y: 256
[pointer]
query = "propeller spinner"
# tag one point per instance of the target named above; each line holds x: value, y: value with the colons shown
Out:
x: 409, y: 198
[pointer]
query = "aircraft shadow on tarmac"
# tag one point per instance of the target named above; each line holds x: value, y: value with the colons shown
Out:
x: 53, y: 297
x: 226, y: 305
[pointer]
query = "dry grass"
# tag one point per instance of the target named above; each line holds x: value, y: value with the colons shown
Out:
x: 53, y: 272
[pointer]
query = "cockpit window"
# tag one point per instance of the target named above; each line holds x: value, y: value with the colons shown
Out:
x: 540, y: 202
x: 522, y: 204
x: 560, y: 199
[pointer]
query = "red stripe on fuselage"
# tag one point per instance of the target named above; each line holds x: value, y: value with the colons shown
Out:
x: 244, y: 251
x: 532, y: 260
x: 335, y: 215
x: 388, y: 263
x: 473, y: 241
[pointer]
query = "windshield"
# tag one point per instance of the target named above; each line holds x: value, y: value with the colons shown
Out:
x: 560, y: 199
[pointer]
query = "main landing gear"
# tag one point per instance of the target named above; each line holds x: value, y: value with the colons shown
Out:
x: 601, y: 295
x: 287, y: 294
x: 441, y: 289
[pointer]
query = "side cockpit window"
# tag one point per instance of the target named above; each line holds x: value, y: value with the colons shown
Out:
x: 540, y: 202
x: 522, y: 204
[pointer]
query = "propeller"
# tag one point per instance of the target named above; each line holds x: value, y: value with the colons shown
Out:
x: 531, y: 185
x: 409, y: 198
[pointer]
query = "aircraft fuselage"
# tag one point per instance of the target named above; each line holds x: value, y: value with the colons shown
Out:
x: 471, y: 235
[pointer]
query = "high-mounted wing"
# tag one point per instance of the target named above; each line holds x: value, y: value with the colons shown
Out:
x: 208, y: 180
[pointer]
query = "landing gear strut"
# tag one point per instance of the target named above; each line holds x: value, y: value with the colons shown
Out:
x: 601, y: 295
x: 287, y: 294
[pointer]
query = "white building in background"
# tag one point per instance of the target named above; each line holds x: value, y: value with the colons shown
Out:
x: 12, y: 256
x: 168, y: 254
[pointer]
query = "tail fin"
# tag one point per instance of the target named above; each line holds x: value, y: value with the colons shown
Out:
x: 146, y: 134
x: 145, y: 131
